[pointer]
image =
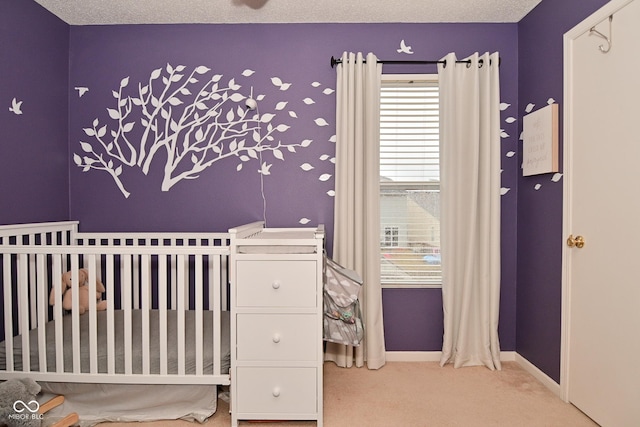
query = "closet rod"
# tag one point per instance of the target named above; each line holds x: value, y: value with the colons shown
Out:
x: 335, y: 62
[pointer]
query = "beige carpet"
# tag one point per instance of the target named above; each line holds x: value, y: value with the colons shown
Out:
x: 424, y: 394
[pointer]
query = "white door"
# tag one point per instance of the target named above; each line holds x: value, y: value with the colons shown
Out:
x: 601, y: 349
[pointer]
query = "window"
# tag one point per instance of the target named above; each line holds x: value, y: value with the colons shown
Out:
x: 390, y: 237
x: 409, y: 181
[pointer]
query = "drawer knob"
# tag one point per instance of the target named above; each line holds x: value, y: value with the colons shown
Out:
x: 276, y: 392
x: 275, y: 285
x: 276, y: 338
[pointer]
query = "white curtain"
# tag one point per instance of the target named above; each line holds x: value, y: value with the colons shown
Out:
x: 357, y: 224
x: 470, y: 209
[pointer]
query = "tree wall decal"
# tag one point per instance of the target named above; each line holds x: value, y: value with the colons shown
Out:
x: 193, y: 119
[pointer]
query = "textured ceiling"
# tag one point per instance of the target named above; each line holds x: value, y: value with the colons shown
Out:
x: 98, y: 12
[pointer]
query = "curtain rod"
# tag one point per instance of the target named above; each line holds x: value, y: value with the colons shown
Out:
x: 335, y: 62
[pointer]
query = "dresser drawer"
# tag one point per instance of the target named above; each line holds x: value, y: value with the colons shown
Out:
x: 284, y: 337
x: 275, y: 283
x: 277, y: 390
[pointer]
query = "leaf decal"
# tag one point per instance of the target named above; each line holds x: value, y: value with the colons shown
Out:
x: 556, y: 177
x: 308, y: 101
x: 325, y: 177
x: 529, y: 107
x: 504, y: 106
x: 86, y: 147
x: 304, y: 221
x: 276, y: 81
x: 114, y: 114
x: 331, y: 193
x: 315, y: 84
x: 280, y: 105
x: 504, y: 191
x: 328, y: 91
x: 306, y: 167
x: 510, y: 119
x: 511, y: 153
x: 321, y: 122
x: 202, y: 69
x: 266, y: 118
x: 247, y: 72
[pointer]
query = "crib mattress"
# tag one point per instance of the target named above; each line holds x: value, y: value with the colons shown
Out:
x: 136, y: 332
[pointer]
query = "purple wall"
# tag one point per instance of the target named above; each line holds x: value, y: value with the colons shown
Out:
x: 539, y: 266
x: 34, y: 52
x: 297, y: 54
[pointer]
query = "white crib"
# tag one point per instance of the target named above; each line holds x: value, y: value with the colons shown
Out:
x: 166, y: 320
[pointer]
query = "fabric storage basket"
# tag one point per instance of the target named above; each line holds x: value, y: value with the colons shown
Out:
x: 342, y: 316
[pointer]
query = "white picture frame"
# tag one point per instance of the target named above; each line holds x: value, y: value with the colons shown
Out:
x: 540, y: 141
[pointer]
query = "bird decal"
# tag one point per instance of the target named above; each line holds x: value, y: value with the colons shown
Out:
x: 16, y: 106
x: 404, y: 48
x: 81, y: 90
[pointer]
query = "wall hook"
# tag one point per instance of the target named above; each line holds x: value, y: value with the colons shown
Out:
x: 608, y: 39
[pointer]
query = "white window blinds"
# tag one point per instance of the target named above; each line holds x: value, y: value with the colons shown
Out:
x: 409, y: 180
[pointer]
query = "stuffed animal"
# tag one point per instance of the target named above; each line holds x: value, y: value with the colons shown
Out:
x: 20, y: 408
x: 83, y: 292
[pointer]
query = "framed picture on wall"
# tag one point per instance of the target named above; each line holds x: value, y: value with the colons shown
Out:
x: 540, y: 141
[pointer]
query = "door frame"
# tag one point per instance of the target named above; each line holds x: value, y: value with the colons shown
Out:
x: 569, y: 37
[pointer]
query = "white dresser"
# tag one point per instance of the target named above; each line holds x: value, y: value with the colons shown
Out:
x: 276, y: 323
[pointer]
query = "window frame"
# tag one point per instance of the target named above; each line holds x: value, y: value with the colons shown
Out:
x: 428, y: 186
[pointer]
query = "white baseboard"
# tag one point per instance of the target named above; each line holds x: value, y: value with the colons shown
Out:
x: 532, y: 369
x: 505, y: 356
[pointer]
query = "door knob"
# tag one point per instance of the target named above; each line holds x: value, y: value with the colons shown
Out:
x: 577, y: 241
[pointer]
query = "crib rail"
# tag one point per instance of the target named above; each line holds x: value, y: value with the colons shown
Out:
x: 150, y: 286
x: 43, y: 233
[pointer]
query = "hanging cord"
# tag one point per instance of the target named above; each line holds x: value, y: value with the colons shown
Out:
x: 252, y: 105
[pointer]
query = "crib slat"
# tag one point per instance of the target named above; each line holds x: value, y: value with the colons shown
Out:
x: 182, y: 284
x: 75, y: 314
x: 23, y: 309
x: 32, y: 284
x: 111, y: 340
x: 145, y: 264
x: 57, y: 312
x: 174, y: 279
x: 93, y: 320
x: 126, y: 306
x: 199, y: 284
x: 215, y: 290
x: 42, y: 313
x: 162, y: 307
x: 8, y: 314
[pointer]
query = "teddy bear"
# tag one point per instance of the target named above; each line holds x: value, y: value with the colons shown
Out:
x: 19, y: 406
x: 83, y: 292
